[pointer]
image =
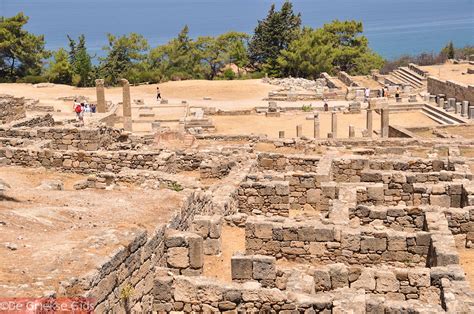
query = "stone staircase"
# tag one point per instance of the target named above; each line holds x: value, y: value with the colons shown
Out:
x: 409, y: 77
x: 441, y: 116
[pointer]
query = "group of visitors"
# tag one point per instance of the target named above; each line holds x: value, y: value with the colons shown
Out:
x: 80, y: 108
x: 383, y: 92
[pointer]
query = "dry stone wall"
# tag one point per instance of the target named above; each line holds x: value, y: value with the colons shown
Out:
x: 11, y: 109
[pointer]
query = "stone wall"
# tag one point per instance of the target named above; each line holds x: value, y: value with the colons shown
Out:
x: 266, y: 197
x: 36, y: 121
x: 11, y: 109
x: 451, y: 89
x: 347, y: 79
x: 314, y: 242
x: 280, y: 162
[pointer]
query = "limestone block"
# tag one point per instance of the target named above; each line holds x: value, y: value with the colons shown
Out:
x: 440, y: 200
x: 324, y: 233
x: 419, y: 277
x: 313, y: 196
x: 212, y: 246
x: 300, y: 282
x: 177, y: 257
x: 196, y: 252
x: 375, y: 192
x: 201, y: 225
x: 241, y: 267
x: 322, y: 279
x: 264, y: 267
x: 365, y: 281
x: 350, y: 240
x: 263, y: 230
x: 339, y: 276
x: 373, y: 245
x: 386, y: 281
x: 215, y: 230
x: 162, y: 289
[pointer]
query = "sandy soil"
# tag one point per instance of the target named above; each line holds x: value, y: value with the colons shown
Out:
x: 367, y: 82
x: 452, y: 72
x: 259, y: 124
x: 467, y: 262
x: 64, y: 234
x: 233, y: 240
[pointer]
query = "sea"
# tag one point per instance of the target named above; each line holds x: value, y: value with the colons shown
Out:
x: 393, y: 27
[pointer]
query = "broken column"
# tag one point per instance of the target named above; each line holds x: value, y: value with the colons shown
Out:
x: 384, y: 122
x: 471, y: 112
x: 369, y: 122
x: 299, y: 130
x: 458, y: 107
x: 451, y: 103
x: 127, y: 106
x: 464, y: 108
x: 281, y: 134
x: 100, y: 91
x: 351, y: 131
x: 334, y: 124
x: 441, y: 102
x: 316, y: 126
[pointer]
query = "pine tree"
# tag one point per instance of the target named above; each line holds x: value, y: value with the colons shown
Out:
x: 21, y: 53
x: 272, y: 35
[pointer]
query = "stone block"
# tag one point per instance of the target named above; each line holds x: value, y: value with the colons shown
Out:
x: 264, y: 267
x: 373, y: 244
x: 196, y: 252
x: 263, y: 230
x: 241, y: 267
x: 177, y: 257
x: 419, y: 277
x: 322, y: 279
x: 212, y: 246
x: 365, y: 281
x: 339, y: 276
x: 440, y: 200
x: 386, y: 281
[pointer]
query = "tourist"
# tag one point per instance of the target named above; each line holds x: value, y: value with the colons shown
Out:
x: 77, y: 110
x: 397, y: 93
x: 158, y: 93
x: 93, y: 108
x: 326, y: 106
x: 382, y: 94
x: 367, y: 94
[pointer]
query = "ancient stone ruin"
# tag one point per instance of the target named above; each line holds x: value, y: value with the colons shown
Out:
x: 378, y: 223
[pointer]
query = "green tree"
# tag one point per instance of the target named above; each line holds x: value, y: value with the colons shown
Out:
x: 123, y: 53
x: 448, y: 51
x: 81, y: 62
x: 178, y: 59
x: 217, y: 52
x: 351, y: 49
x: 306, y: 56
x: 272, y: 35
x: 60, y: 70
x: 21, y: 53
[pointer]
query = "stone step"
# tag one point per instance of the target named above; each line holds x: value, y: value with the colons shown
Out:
x: 412, y: 74
x: 407, y: 79
x: 441, y: 116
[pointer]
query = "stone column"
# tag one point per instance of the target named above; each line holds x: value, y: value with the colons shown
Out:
x: 334, y: 124
x: 384, y: 122
x: 451, y: 103
x: 369, y: 122
x: 281, y: 134
x: 433, y: 98
x: 457, y: 109
x: 100, y: 91
x: 471, y: 112
x: 464, y: 108
x: 441, y: 102
x: 351, y: 131
x: 126, y: 105
x: 299, y: 130
x: 316, y: 126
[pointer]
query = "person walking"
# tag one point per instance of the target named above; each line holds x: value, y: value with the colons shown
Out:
x: 367, y: 94
x: 158, y: 93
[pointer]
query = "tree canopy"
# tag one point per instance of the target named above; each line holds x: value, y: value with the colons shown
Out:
x: 21, y: 53
x: 272, y: 35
